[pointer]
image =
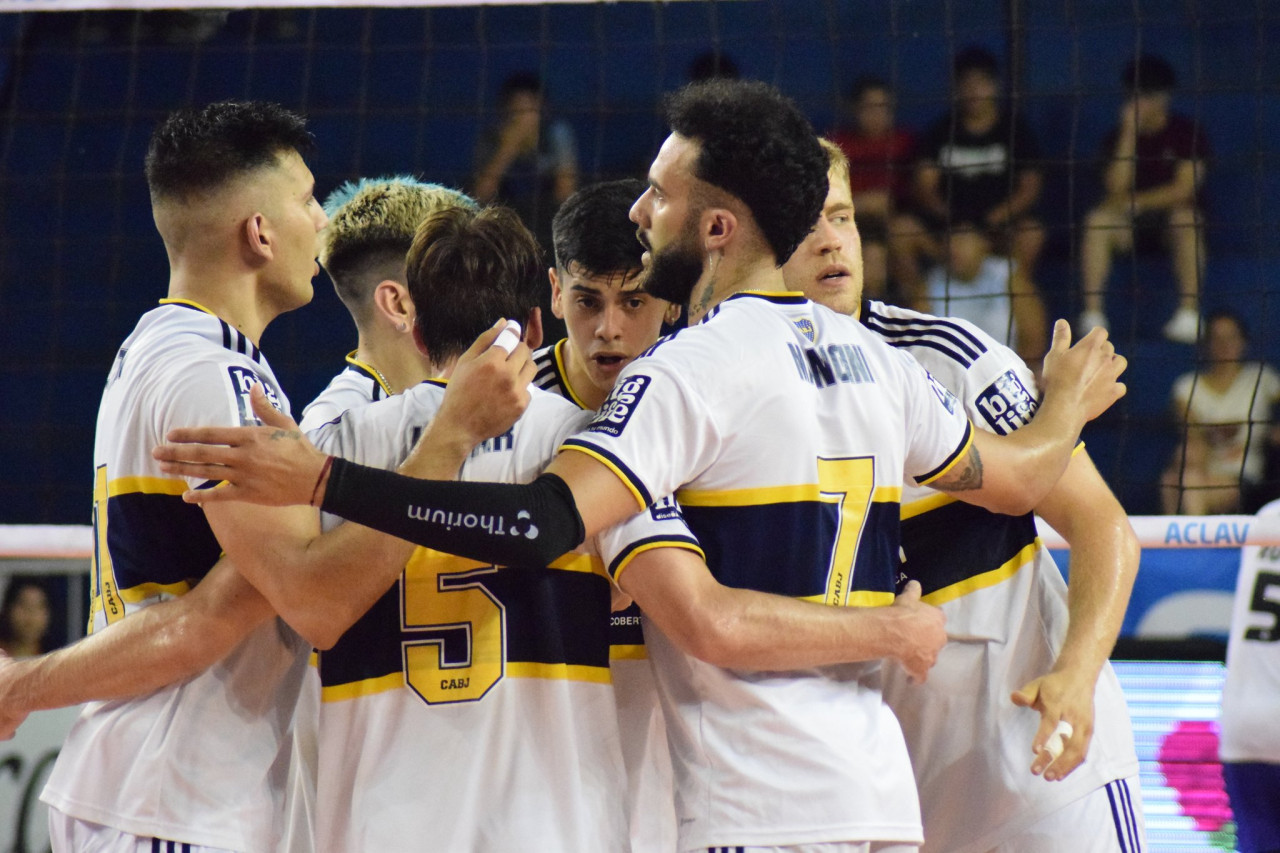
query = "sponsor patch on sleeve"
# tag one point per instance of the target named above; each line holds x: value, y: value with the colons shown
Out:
x: 617, y: 410
x: 665, y: 509
x: 1006, y: 404
x: 242, y: 379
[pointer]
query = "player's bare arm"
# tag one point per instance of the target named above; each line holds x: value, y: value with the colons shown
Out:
x: 739, y: 628
x: 1013, y: 473
x: 152, y: 648
x: 1104, y: 563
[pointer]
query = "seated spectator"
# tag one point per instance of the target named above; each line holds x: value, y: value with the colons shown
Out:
x: 529, y: 161
x: 976, y: 164
x: 989, y: 291
x: 1155, y: 168
x: 879, y: 153
x: 1223, y: 409
x: 24, y: 617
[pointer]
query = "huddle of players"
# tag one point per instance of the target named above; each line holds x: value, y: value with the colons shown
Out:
x: 463, y: 706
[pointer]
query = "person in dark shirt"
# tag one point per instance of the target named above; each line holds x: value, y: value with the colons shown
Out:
x: 1154, y: 172
x: 976, y: 164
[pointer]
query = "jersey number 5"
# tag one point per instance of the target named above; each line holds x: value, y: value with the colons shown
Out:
x: 1266, y: 599
x: 459, y: 627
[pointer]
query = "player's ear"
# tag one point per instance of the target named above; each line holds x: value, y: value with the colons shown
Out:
x: 392, y: 301
x: 258, y: 241
x: 533, y: 328
x: 672, y: 314
x: 719, y: 226
x: 557, y: 293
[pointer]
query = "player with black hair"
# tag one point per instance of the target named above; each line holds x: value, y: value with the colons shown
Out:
x: 786, y: 430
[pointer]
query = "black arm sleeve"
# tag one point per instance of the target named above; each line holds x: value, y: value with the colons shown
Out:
x: 500, y: 523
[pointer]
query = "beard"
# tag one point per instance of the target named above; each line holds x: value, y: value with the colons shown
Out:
x: 674, y: 271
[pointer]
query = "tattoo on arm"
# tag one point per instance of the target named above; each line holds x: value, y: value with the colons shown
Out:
x: 964, y: 477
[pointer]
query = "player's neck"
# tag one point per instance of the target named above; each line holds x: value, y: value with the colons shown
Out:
x: 580, y: 384
x: 729, y: 275
x: 233, y: 297
x: 397, y: 361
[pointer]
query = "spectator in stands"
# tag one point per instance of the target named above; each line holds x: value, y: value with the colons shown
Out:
x: 989, y: 291
x: 1223, y: 409
x: 976, y: 164
x: 530, y: 160
x: 24, y: 617
x: 879, y: 152
x: 1152, y: 181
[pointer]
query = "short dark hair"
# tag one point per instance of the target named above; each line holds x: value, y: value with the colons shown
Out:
x: 713, y: 64
x: 1148, y: 75
x: 466, y: 270
x: 757, y: 145
x: 197, y: 150
x: 868, y: 83
x: 974, y: 58
x: 520, y: 81
x: 593, y: 230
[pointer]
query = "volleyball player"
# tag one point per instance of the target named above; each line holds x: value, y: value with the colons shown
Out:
x: 371, y: 226
x: 746, y: 409
x: 597, y: 289
x: 1014, y: 628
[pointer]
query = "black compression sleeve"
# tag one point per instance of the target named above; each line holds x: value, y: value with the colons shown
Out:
x: 500, y: 523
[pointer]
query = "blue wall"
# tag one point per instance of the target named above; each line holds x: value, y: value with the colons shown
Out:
x: 409, y: 90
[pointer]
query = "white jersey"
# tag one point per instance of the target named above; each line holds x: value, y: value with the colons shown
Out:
x: 1250, y: 726
x: 650, y: 797
x: 785, y: 429
x: 1006, y: 608
x: 471, y: 709
x: 204, y: 761
x: 358, y: 385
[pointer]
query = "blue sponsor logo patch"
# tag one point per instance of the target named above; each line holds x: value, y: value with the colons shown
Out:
x: 617, y: 410
x: 1006, y: 404
x: 666, y: 509
x: 242, y: 379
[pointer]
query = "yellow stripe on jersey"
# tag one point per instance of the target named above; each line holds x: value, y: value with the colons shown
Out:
x: 142, y: 592
x: 773, y: 495
x: 960, y: 454
x: 929, y: 504
x: 191, y: 303
x: 558, y: 671
x: 146, y: 486
x: 626, y: 481
x: 984, y: 580
x: 514, y: 669
x: 638, y: 652
x: 562, y: 368
x: 650, y: 546
x: 857, y: 598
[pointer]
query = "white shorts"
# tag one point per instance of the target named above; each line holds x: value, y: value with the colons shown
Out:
x: 72, y: 835
x: 1109, y: 820
x: 833, y: 847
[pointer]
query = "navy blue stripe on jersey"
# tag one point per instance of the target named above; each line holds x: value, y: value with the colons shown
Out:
x: 945, y: 336
x: 551, y: 616
x: 955, y: 454
x: 226, y: 334
x: 749, y: 546
x: 957, y: 541
x: 778, y: 298
x: 1122, y: 817
x: 619, y: 467
x: 1131, y: 819
x: 624, y: 627
x: 158, y: 539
